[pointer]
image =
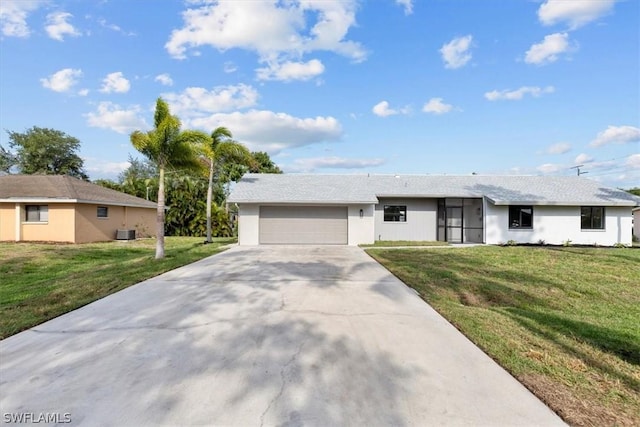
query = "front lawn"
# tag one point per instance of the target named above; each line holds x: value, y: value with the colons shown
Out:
x: 41, y: 281
x: 564, y: 321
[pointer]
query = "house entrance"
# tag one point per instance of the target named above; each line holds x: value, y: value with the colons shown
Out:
x: 460, y: 220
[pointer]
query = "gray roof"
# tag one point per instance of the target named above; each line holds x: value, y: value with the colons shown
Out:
x: 61, y: 189
x: 366, y: 189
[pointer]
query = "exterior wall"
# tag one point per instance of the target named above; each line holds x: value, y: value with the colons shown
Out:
x: 59, y: 228
x: 636, y: 223
x: 421, y: 221
x: 361, y: 229
x: 557, y: 224
x: 7, y: 222
x: 248, y: 224
x: 90, y: 228
x: 75, y: 223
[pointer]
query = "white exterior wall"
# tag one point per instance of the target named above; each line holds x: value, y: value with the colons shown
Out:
x: 636, y: 223
x: 421, y: 222
x: 360, y: 230
x: 248, y: 224
x: 557, y: 224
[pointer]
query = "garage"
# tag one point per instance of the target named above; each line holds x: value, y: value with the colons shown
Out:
x: 311, y: 225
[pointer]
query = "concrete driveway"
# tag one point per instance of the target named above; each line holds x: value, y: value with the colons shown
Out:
x: 285, y: 336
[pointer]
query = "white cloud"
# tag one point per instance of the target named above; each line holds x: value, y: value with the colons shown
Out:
x: 514, y: 95
x: 164, y: 79
x: 312, y: 163
x: 277, y: 31
x: 548, y: 50
x: 382, y: 109
x: 583, y: 158
x: 195, y: 102
x: 436, y: 106
x: 559, y: 148
x: 13, y: 16
x: 103, y: 23
x: 57, y: 26
x: 617, y: 135
x: 633, y: 161
x: 287, y: 71
x: 407, y: 4
x: 115, y: 82
x: 111, y: 116
x: 549, y: 168
x: 63, y: 80
x: 99, y: 168
x: 272, y: 132
x: 576, y: 13
x: 230, y: 67
x: 455, y: 54
x: 83, y: 92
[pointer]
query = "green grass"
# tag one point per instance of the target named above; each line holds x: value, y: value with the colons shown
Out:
x: 40, y: 281
x: 564, y: 321
x: 396, y: 243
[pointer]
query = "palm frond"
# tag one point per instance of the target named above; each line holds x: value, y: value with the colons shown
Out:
x: 162, y: 112
x: 232, y: 150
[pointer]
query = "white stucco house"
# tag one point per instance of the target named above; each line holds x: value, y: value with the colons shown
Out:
x: 359, y: 209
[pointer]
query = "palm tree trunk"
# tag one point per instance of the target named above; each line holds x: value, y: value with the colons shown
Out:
x: 209, y: 197
x: 160, y: 217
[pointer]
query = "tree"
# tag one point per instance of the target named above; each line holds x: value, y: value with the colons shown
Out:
x: 167, y: 147
x: 7, y: 160
x: 47, y: 151
x: 262, y: 163
x: 139, y: 179
x: 220, y: 148
x: 634, y: 191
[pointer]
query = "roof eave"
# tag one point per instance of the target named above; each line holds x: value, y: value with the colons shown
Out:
x: 59, y: 200
x: 562, y: 203
x: 301, y: 202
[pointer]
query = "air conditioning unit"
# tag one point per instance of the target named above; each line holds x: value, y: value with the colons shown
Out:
x: 126, y: 235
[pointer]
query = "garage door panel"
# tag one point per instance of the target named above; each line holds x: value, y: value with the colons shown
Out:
x: 303, y: 225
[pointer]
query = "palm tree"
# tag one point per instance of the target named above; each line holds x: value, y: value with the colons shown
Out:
x: 218, y: 148
x: 167, y: 146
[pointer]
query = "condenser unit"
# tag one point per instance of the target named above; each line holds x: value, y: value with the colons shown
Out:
x: 126, y: 235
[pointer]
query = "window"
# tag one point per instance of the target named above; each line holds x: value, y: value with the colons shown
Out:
x: 394, y: 213
x: 37, y: 213
x: 592, y: 218
x: 520, y: 216
x: 103, y: 212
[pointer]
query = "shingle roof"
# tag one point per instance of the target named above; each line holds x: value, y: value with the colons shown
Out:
x: 62, y: 188
x: 500, y: 190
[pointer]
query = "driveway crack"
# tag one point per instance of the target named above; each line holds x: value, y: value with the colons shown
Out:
x: 283, y: 383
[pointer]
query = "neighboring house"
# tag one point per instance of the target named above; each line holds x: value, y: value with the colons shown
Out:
x: 355, y: 209
x: 59, y: 208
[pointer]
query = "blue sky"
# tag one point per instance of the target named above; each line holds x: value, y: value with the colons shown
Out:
x: 381, y: 86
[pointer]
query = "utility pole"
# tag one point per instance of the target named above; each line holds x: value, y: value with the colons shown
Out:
x: 577, y: 168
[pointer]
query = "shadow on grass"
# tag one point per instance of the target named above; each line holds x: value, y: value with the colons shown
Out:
x: 549, y: 325
x: 474, y: 281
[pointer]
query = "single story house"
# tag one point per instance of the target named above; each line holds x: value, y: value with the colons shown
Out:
x: 60, y: 208
x: 359, y: 209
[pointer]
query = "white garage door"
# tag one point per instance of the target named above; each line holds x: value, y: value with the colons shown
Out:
x: 321, y: 225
